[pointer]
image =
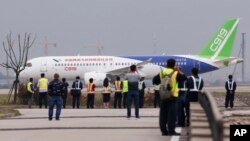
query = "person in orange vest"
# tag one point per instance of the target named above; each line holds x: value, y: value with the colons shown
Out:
x: 106, y: 93
x: 90, y: 94
x: 42, y: 86
x: 118, y: 93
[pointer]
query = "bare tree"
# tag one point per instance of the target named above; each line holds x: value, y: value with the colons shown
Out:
x: 17, y: 56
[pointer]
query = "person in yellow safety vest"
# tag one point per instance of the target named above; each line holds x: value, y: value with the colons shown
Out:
x: 42, y: 86
x: 30, y: 92
x: 118, y: 93
x: 168, y: 106
x: 90, y: 94
x: 125, y: 92
x: 106, y: 93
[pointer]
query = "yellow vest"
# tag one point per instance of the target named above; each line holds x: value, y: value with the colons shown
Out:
x: 29, y: 88
x: 43, y: 84
x: 175, y: 88
x: 118, y: 86
x: 125, y: 86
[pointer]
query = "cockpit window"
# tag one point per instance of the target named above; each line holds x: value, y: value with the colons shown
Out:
x: 28, y: 65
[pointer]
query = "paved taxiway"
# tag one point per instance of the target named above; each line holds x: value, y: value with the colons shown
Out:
x: 83, y: 124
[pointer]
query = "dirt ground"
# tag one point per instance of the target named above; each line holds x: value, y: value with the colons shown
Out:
x: 240, y: 114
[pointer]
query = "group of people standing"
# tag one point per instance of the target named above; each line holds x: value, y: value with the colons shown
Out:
x: 174, y: 111
x: 58, y: 91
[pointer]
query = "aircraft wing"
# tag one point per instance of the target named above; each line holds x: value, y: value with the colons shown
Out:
x: 124, y: 70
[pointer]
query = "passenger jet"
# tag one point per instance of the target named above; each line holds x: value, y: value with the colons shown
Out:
x: 215, y: 55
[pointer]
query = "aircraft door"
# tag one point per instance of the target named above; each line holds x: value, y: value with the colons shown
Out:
x: 43, y: 65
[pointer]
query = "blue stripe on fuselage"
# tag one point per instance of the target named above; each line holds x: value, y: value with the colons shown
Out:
x: 186, y: 64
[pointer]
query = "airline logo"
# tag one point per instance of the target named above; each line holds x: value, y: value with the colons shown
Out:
x: 104, y: 59
x: 218, y: 40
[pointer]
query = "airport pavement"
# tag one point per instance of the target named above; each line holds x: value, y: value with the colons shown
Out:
x: 83, y: 124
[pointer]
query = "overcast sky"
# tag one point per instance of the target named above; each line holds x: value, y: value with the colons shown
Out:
x: 124, y: 27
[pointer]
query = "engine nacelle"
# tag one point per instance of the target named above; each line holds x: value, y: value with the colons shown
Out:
x: 98, y: 78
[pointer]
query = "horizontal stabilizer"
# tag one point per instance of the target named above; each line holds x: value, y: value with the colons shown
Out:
x: 228, y: 61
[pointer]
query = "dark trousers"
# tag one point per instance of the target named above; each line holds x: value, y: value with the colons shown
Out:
x: 118, y: 100
x: 64, y: 99
x: 181, y: 104
x: 141, y: 98
x: 187, y: 110
x: 157, y: 99
x: 90, y: 101
x: 167, y: 116
x: 55, y: 100
x: 133, y: 95
x: 125, y: 99
x: 193, y: 96
x: 190, y: 97
x: 76, y: 100
x: 42, y: 98
x: 29, y: 96
x: 229, y: 100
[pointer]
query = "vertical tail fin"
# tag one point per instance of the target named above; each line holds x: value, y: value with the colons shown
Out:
x: 220, y: 46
